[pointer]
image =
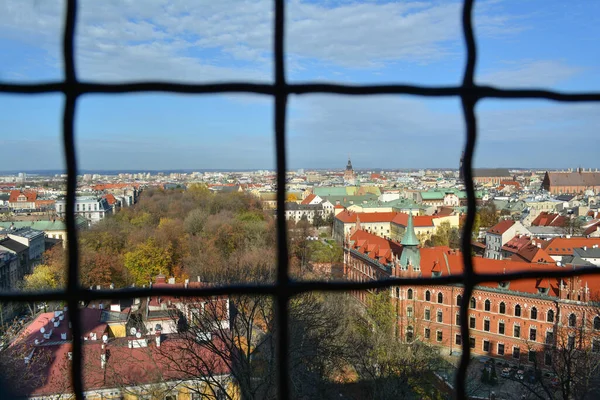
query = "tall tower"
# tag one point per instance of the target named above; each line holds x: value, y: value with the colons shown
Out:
x: 349, y: 176
x: 410, y: 246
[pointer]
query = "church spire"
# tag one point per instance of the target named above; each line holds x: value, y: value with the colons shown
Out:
x: 410, y: 238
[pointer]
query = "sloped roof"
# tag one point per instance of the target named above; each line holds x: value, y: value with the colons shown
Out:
x: 549, y: 219
x: 375, y: 247
x: 418, y: 220
x: 14, y: 196
x: 349, y: 216
x: 490, y: 172
x: 308, y: 199
x: 564, y: 246
x: 501, y: 227
x: 574, y: 178
x: 533, y: 253
x: 13, y: 245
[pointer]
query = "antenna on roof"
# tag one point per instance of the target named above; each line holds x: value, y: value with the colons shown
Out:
x: 133, y: 331
x: 138, y: 335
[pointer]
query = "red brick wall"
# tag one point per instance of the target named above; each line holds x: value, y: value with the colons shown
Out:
x: 357, y: 269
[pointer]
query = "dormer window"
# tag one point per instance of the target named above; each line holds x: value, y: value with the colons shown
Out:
x: 503, y: 285
x: 542, y: 290
x: 436, y: 274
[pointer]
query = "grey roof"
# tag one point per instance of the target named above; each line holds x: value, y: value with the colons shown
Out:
x: 160, y: 314
x: 26, y: 232
x: 491, y: 172
x: 565, y: 197
x: 113, y: 316
x: 590, y: 252
x: 576, y: 261
x: 291, y: 206
x: 13, y: 245
x: 546, y: 230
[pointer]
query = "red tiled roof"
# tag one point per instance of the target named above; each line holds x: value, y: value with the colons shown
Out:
x: 110, y: 198
x: 124, y: 366
x: 592, y: 227
x: 418, y: 220
x: 444, y: 211
x: 395, y: 217
x: 515, y: 244
x: 350, y: 217
x: 14, y: 196
x: 375, y: 247
x: 533, y: 253
x: 501, y: 227
x: 308, y: 199
x: 564, y: 246
x: 549, y: 219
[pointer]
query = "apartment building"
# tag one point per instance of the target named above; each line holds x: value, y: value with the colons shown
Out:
x: 92, y: 208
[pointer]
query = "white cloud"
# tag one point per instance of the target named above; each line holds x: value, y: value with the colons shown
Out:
x: 232, y: 39
x: 529, y: 73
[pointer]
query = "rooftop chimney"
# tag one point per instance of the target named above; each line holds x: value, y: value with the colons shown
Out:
x: 187, y: 282
x: 584, y: 248
x: 103, y: 359
x: 158, y: 338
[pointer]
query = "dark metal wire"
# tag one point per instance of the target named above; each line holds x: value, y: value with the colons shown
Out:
x: 283, y: 292
x: 468, y: 100
x: 283, y: 289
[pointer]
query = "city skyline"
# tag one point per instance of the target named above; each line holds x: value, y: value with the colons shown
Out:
x: 534, y: 43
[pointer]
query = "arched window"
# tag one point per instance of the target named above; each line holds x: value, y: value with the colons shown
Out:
x: 473, y: 302
x: 440, y: 297
x: 427, y: 296
x: 488, y: 305
x: 550, y: 316
x: 572, y: 320
x: 597, y: 323
x: 517, y: 310
x: 398, y: 292
x: 409, y: 294
x: 533, y: 313
x: 502, y: 308
x: 458, y: 300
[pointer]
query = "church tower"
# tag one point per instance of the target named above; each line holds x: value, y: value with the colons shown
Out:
x: 349, y: 175
x: 410, y: 247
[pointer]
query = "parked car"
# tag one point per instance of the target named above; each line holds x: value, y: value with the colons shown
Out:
x: 505, y: 373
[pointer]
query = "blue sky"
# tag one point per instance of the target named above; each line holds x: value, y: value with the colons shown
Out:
x: 535, y: 43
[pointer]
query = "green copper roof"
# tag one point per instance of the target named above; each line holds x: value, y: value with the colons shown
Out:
x: 409, y: 238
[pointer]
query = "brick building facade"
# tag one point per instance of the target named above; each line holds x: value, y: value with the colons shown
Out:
x: 517, y: 321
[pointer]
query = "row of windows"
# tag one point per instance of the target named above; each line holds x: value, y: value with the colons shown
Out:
x: 533, y: 313
x: 486, y: 325
x: 486, y: 345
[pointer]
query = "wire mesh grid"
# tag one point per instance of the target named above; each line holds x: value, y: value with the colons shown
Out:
x: 284, y: 288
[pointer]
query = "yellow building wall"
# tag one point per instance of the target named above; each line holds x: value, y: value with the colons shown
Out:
x: 117, y: 330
